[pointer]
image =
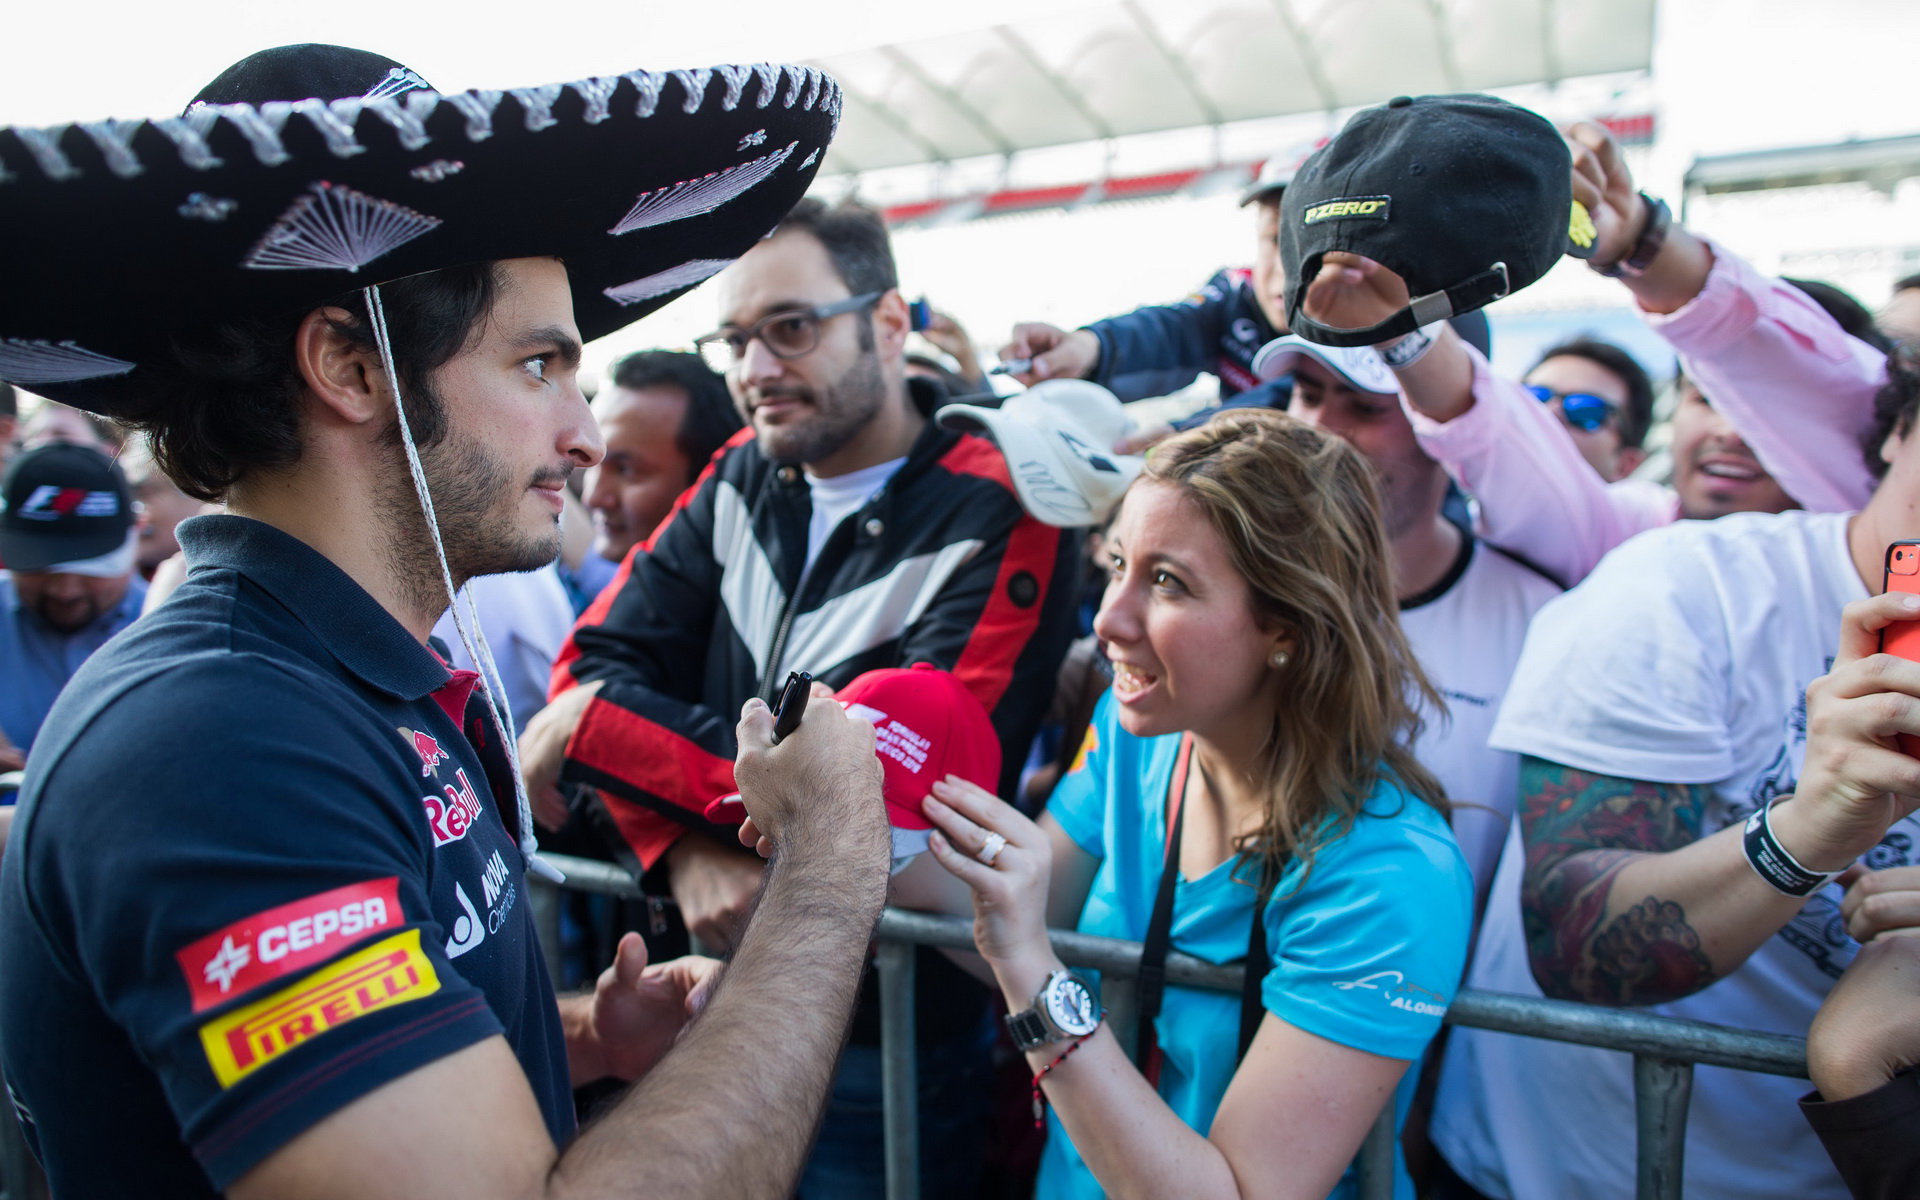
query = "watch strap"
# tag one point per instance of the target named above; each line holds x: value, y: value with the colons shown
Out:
x: 1646, y: 248
x: 1028, y: 1029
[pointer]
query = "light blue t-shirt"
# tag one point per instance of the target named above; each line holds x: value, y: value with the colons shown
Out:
x: 1367, y: 953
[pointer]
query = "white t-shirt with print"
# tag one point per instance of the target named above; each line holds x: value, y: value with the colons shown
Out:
x: 1468, y: 638
x: 1684, y: 658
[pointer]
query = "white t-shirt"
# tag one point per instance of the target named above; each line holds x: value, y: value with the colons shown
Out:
x: 1684, y: 658
x: 835, y: 498
x: 1468, y: 638
x: 526, y: 618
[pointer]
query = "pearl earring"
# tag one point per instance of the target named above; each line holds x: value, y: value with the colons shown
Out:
x: 1277, y: 659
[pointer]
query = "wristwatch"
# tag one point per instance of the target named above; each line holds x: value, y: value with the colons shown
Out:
x: 1653, y: 235
x: 1065, y: 1008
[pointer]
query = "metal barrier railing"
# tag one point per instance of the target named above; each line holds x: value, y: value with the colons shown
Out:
x: 1665, y: 1050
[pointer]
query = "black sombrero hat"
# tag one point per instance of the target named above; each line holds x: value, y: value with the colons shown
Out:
x: 118, y: 236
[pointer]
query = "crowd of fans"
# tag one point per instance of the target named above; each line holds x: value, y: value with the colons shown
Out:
x: 1399, y: 676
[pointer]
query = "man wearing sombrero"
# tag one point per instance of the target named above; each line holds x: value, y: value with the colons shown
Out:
x: 263, y: 925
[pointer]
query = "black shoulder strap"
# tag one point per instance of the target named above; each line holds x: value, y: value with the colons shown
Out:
x: 1158, y: 942
x: 1153, y: 952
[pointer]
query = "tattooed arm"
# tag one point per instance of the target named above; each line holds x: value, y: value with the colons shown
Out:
x: 1624, y: 902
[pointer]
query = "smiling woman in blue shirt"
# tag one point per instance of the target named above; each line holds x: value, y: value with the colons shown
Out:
x: 1245, y: 791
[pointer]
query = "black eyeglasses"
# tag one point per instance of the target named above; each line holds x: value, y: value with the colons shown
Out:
x: 1584, y: 410
x: 790, y: 333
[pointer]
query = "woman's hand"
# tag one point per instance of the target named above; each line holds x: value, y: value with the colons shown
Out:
x: 1010, y: 891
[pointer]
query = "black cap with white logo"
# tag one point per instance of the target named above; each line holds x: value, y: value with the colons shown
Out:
x: 62, y: 503
x: 1467, y: 198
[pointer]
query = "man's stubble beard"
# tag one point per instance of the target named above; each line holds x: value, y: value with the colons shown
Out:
x: 842, y: 410
x: 477, y: 507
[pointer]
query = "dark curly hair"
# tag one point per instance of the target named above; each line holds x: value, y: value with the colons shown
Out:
x: 226, y: 402
x: 1894, y: 406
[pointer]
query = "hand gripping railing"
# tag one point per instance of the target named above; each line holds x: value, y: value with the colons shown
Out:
x: 1664, y: 1049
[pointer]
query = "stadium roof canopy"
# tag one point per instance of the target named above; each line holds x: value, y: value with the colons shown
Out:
x: 1146, y: 66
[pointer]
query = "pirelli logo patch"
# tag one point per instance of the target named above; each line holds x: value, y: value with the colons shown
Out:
x: 384, y: 974
x: 1352, y: 208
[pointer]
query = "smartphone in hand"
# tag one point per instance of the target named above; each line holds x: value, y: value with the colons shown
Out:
x: 1902, y: 638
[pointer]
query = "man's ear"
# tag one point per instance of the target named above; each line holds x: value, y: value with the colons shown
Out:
x: 1629, y: 461
x: 891, y: 324
x: 348, y: 381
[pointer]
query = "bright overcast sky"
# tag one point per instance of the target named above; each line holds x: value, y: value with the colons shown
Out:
x: 79, y: 60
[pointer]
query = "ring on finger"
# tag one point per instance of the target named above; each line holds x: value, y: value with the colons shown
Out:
x: 990, y: 849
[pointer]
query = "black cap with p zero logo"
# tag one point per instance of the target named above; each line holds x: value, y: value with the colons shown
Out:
x: 1466, y: 197
x: 62, y: 503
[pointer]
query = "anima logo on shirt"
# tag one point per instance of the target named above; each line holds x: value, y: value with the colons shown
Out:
x: 237, y: 958
x: 449, y: 816
x: 384, y: 974
x: 427, y: 747
x: 467, y: 930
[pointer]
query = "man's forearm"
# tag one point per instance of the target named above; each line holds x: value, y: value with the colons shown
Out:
x: 1623, y: 903
x: 731, y: 1111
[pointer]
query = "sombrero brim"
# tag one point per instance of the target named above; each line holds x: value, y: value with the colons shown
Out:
x: 118, y: 236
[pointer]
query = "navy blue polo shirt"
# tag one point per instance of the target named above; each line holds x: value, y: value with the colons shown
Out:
x: 259, y: 870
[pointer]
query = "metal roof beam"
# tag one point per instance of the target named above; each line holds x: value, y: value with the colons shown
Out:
x: 886, y: 116
x: 1443, y: 39
x: 974, y: 116
x: 1309, y: 54
x: 1066, y: 93
x: 1182, y: 70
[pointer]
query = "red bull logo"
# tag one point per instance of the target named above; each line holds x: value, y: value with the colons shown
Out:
x: 428, y: 748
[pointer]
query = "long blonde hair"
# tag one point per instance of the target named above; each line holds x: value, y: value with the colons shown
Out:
x: 1300, y: 515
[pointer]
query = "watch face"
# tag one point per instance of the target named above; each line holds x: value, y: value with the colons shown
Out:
x: 1070, y: 1006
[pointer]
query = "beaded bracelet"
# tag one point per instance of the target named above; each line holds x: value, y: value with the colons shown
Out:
x: 1039, y: 1097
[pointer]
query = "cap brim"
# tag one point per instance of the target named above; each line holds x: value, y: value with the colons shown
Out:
x: 1054, y: 486
x: 31, y: 551
x: 1282, y: 356
x: 1261, y: 191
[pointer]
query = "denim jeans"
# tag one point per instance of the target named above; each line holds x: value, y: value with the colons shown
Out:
x: 955, y: 1078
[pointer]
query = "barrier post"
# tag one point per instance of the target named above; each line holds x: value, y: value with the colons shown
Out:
x: 1662, y: 1089
x: 1374, y: 1164
x: 899, y: 1071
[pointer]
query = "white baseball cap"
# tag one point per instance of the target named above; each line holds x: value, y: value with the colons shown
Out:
x: 1058, y: 439
x: 1360, y: 366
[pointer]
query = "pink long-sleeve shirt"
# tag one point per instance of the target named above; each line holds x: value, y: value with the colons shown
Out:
x: 1798, y: 388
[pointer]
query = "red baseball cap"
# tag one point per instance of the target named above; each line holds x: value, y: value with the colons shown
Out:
x: 926, y: 726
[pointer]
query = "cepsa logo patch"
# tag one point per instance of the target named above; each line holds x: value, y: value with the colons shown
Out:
x: 283, y: 939
x: 384, y: 974
x: 1372, y: 208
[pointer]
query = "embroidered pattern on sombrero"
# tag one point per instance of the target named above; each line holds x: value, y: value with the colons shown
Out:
x: 31, y: 361
x: 694, y: 197
x: 407, y: 112
x: 338, y: 228
x: 685, y: 275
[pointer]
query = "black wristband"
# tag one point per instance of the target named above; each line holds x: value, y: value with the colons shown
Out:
x: 1771, y: 861
x: 1653, y: 235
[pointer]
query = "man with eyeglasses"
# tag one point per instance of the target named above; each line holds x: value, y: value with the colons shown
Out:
x: 842, y: 533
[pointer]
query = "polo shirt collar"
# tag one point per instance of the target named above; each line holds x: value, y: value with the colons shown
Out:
x: 361, y: 635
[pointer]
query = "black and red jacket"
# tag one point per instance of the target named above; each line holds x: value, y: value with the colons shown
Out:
x: 941, y: 566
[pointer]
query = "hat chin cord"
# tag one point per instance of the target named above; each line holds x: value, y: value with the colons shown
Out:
x: 472, y: 637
